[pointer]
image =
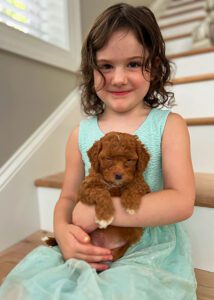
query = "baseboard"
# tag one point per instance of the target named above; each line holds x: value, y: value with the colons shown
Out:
x: 24, y: 153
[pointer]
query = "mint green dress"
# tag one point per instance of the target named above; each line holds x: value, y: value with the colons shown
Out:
x: 159, y: 267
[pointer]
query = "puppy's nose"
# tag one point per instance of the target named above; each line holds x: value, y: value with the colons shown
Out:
x: 118, y: 176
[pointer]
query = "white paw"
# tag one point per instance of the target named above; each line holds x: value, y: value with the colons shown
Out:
x: 104, y: 223
x: 131, y: 211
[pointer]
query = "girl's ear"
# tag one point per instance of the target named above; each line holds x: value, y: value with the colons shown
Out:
x: 143, y: 157
x: 93, y: 153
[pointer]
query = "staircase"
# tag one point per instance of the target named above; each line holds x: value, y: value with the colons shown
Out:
x: 193, y: 86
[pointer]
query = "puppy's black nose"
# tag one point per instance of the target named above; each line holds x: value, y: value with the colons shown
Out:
x: 118, y: 176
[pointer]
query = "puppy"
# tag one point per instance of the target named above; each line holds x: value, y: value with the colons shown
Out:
x: 118, y: 161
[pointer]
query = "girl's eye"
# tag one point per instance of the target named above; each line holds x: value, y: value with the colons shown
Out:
x: 134, y: 64
x: 105, y: 67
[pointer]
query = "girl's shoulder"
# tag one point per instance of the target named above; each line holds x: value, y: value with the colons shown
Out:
x: 175, y: 130
x: 175, y: 120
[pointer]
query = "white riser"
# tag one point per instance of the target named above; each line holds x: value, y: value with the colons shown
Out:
x: 47, y: 198
x: 202, y: 145
x: 169, y: 11
x: 173, y: 19
x: 202, y: 238
x: 178, y: 45
x: 194, y: 100
x: 194, y: 65
x: 180, y: 29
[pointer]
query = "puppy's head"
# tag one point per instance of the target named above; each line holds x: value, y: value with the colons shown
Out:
x: 118, y: 157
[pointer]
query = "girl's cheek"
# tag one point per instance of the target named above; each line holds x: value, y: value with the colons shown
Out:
x: 98, y: 81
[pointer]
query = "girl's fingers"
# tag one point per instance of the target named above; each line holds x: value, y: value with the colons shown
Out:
x: 94, y: 258
x: 99, y: 267
x: 92, y: 250
x: 79, y: 234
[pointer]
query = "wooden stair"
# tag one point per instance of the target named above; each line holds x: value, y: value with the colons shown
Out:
x: 10, y: 257
x: 204, y: 182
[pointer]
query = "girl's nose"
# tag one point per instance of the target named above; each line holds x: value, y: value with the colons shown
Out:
x: 119, y: 77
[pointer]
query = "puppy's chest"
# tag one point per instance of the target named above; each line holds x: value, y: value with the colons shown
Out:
x: 116, y: 191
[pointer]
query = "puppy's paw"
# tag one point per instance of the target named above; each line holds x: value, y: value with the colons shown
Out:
x: 104, y: 223
x: 131, y: 211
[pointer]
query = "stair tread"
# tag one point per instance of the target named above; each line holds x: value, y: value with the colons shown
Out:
x: 191, y: 52
x: 193, y: 78
x: 187, y: 11
x: 12, y: 255
x: 204, y: 186
x: 177, y: 5
x: 195, y: 19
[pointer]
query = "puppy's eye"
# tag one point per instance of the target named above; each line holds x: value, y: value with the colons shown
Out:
x: 130, y: 160
x: 108, y: 158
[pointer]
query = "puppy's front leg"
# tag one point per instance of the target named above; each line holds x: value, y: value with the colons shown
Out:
x: 93, y: 192
x: 130, y: 201
x: 131, y: 196
x: 104, y: 208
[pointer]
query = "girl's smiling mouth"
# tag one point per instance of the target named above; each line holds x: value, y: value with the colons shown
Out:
x: 120, y: 93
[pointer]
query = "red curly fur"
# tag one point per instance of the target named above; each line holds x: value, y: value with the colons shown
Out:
x: 118, y: 161
x: 117, y: 164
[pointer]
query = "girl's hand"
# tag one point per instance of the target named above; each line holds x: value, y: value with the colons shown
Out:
x: 84, y: 216
x: 75, y: 243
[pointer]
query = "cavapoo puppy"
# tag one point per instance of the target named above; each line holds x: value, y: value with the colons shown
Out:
x: 118, y: 161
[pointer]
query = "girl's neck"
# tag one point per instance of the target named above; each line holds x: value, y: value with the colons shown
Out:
x: 123, y: 122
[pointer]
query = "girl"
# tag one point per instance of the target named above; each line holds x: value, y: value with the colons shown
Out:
x: 124, y: 71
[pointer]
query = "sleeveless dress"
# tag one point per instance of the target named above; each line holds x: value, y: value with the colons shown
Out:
x: 158, y: 267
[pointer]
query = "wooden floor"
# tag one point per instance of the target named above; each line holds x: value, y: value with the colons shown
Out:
x: 10, y: 257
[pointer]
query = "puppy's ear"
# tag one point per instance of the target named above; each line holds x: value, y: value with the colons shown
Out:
x: 143, y: 157
x: 93, y: 153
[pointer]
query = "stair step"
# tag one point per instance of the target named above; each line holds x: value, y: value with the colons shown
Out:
x: 184, y: 4
x: 180, y: 28
x: 177, y: 37
x: 182, y: 16
x: 178, y: 13
x: 175, y: 24
x: 177, y: 45
x: 191, y: 79
x: 13, y: 255
x: 51, y: 181
x: 204, y: 186
x: 205, y: 282
x: 191, y: 52
x: 200, y: 121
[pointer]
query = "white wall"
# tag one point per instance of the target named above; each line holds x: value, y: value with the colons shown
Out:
x: 18, y: 199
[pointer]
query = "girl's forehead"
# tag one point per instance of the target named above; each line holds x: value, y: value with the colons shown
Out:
x: 121, y: 42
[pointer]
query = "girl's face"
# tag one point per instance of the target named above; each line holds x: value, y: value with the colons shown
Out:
x: 120, y: 62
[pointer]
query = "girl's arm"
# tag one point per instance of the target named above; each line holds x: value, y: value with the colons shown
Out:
x: 73, y: 241
x: 176, y: 201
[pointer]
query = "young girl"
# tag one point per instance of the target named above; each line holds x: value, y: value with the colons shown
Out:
x: 124, y: 71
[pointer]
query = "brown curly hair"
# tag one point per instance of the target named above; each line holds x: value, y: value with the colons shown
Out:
x: 141, y: 21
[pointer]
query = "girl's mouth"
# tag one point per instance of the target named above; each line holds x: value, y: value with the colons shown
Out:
x: 119, y: 93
